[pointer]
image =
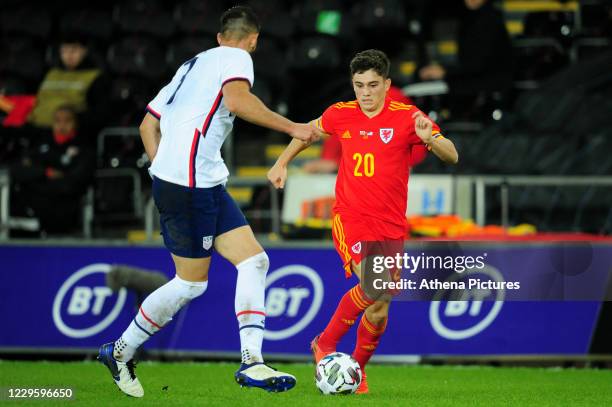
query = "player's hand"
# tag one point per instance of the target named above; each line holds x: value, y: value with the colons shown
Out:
x: 278, y: 176
x: 423, y: 127
x: 308, y: 133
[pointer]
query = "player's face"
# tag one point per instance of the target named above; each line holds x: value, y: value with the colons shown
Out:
x: 370, y: 89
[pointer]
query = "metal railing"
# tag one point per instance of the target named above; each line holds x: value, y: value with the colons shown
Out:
x: 5, y: 184
x: 505, y: 182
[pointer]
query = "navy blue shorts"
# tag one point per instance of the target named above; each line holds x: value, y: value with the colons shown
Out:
x: 191, y: 218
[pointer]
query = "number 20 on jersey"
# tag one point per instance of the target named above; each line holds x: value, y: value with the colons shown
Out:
x: 364, y: 165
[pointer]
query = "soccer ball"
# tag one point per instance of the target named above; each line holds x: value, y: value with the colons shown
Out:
x: 338, y: 373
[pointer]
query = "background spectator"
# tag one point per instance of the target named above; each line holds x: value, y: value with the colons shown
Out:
x: 484, y: 58
x: 76, y: 81
x: 51, y: 177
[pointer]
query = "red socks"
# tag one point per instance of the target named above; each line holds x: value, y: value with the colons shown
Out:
x: 351, y: 305
x: 368, y: 337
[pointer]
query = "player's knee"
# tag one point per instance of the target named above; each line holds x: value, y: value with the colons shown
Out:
x: 190, y: 289
x: 260, y: 263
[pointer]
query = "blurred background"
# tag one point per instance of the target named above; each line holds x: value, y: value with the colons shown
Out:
x: 523, y: 88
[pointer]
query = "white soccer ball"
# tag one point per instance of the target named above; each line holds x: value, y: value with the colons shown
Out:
x: 338, y: 373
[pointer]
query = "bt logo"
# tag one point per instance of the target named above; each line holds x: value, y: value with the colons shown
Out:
x: 471, y: 314
x: 300, y: 294
x: 84, y: 305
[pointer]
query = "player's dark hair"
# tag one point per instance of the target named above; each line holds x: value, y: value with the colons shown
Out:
x: 238, y: 22
x: 371, y: 59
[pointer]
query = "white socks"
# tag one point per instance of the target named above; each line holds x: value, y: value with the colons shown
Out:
x: 155, y: 312
x: 250, y: 307
x: 162, y: 304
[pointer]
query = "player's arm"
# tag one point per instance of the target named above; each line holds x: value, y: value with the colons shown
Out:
x: 442, y: 147
x: 239, y: 100
x: 278, y: 173
x: 150, y: 133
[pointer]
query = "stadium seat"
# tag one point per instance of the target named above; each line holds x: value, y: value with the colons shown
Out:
x: 443, y: 48
x: 269, y: 60
x: 95, y: 24
x: 129, y: 95
x: 13, y: 85
x: 404, y: 64
x: 13, y: 22
x: 546, y: 24
x: 596, y: 19
x: 118, y: 196
x: 380, y: 15
x: 315, y: 53
x: 585, y: 48
x: 142, y: 17
x: 380, y: 24
x: 186, y: 48
x: 275, y: 17
x: 263, y: 90
x: 23, y: 59
x: 198, y: 17
x: 537, y: 59
x: 137, y: 56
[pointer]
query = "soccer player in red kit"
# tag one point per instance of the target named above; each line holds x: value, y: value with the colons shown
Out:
x: 378, y: 137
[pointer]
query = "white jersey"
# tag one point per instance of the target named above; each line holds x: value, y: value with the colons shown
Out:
x: 194, y: 121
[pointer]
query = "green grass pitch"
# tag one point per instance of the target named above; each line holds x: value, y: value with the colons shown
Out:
x: 211, y: 384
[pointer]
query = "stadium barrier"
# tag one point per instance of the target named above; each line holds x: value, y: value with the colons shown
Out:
x: 4, y: 203
x: 503, y: 182
x: 55, y: 300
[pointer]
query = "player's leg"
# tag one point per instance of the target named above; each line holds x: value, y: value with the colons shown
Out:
x: 354, y: 301
x: 374, y: 320
x: 371, y: 328
x: 351, y: 305
x: 181, y: 212
x: 236, y: 242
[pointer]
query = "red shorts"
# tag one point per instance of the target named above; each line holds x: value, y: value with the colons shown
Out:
x: 349, y: 231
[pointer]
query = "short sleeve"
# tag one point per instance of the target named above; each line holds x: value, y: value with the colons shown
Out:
x: 157, y: 105
x: 237, y: 65
x: 326, y: 122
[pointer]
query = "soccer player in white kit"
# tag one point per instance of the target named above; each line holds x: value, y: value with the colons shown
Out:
x: 182, y: 131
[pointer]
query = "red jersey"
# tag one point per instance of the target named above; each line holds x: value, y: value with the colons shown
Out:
x: 376, y: 155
